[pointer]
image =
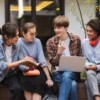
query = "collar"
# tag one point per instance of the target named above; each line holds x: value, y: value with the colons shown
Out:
x: 2, y: 43
x: 70, y: 35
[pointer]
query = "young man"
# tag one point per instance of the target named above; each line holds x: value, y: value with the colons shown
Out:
x: 64, y: 44
x: 91, y: 50
x: 10, y: 56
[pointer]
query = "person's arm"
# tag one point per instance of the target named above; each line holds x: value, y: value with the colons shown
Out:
x: 43, y: 62
x: 3, y: 62
x: 91, y: 67
x: 88, y: 65
x: 24, y: 61
x: 49, y: 81
x: 53, y: 54
x: 98, y: 67
x: 15, y: 64
x: 79, y: 47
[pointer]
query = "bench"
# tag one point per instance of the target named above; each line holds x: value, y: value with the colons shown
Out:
x: 82, y: 95
x: 5, y: 93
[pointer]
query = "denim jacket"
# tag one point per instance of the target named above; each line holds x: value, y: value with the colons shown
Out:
x: 16, y: 55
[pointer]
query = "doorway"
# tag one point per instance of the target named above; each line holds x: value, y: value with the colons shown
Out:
x: 41, y: 12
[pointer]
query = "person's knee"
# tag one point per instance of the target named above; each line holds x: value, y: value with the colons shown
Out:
x: 74, y: 84
x: 90, y: 72
x: 66, y: 76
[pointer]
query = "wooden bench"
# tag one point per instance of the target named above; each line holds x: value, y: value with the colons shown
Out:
x: 82, y: 95
x: 5, y: 93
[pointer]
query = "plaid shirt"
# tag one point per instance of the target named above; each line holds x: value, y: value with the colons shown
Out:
x: 52, y: 46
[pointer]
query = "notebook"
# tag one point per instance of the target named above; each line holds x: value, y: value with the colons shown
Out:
x: 72, y: 63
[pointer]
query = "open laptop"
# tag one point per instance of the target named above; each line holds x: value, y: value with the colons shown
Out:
x: 72, y: 63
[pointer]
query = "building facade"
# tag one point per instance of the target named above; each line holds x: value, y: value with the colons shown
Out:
x: 42, y: 12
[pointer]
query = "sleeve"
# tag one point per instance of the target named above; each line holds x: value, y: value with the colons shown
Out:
x: 21, y: 56
x: 53, y: 57
x: 98, y: 67
x: 79, y: 47
x: 3, y: 63
x: 84, y: 54
x: 40, y: 55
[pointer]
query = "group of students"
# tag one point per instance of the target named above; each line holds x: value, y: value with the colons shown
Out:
x: 17, y: 56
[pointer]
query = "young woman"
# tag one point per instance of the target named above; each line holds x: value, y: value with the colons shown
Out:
x: 34, y: 86
x: 91, y: 50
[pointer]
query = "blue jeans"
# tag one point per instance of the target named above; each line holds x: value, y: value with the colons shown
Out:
x: 68, y: 85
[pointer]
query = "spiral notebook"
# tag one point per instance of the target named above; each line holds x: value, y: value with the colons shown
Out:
x: 72, y: 63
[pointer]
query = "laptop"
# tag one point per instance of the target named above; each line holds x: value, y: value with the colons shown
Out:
x: 72, y: 63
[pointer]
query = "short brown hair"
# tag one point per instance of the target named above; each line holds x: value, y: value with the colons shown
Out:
x: 61, y: 20
x: 27, y: 26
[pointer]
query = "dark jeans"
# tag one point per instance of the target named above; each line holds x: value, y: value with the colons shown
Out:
x: 13, y: 84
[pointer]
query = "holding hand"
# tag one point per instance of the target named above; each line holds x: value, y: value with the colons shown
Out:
x: 91, y: 67
x: 61, y: 47
x: 34, y: 72
x: 30, y: 62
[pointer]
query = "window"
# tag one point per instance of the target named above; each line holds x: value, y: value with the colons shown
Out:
x: 41, y: 12
x: 98, y: 9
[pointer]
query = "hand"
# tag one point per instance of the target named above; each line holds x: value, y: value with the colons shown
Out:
x: 29, y: 67
x: 61, y: 47
x: 91, y: 67
x: 30, y: 62
x: 27, y: 59
x: 49, y: 82
x: 34, y: 72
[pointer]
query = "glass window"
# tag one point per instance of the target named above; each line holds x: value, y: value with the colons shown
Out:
x: 41, y: 12
x: 19, y: 9
x: 47, y: 7
x: 98, y: 9
x: 46, y: 10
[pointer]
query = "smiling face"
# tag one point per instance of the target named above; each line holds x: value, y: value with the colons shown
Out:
x: 30, y: 35
x: 93, y: 29
x: 92, y: 34
x: 59, y: 31
x: 60, y: 25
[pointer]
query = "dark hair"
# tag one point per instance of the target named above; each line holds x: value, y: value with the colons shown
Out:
x: 27, y: 26
x: 61, y: 20
x: 9, y: 29
x: 95, y: 25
